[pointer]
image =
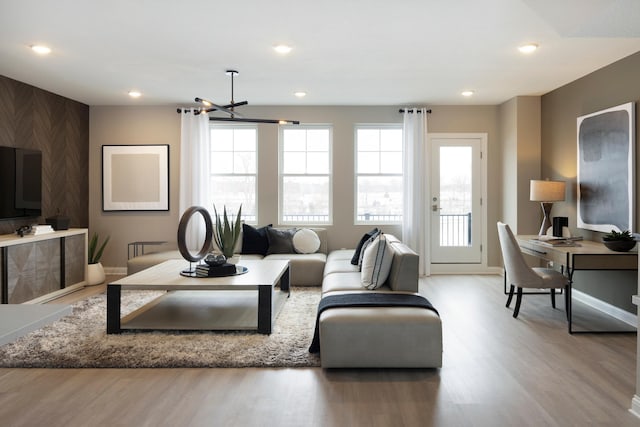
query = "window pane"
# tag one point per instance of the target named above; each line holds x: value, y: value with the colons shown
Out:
x: 295, y: 139
x: 318, y: 163
x: 369, y: 162
x: 318, y: 140
x: 391, y: 139
x: 294, y: 162
x: 245, y: 140
x: 379, y: 199
x: 391, y: 162
x: 222, y: 139
x: 368, y: 139
x: 305, y: 199
x: 244, y: 162
x: 222, y: 162
x: 231, y: 191
x: 455, y: 180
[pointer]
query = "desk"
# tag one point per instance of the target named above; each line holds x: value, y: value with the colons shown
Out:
x: 589, y: 255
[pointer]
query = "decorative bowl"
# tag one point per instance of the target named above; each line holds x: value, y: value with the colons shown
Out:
x: 619, y: 245
x: 215, y: 260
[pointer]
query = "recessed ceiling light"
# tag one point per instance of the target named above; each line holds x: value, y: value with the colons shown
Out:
x: 300, y: 94
x: 135, y: 94
x: 282, y: 49
x: 467, y: 93
x: 528, y: 48
x: 41, y: 49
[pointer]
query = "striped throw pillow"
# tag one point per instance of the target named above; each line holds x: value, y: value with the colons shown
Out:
x: 376, y: 263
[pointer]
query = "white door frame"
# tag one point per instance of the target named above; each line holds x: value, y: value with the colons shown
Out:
x: 465, y: 268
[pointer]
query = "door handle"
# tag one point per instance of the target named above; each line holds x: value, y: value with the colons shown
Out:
x: 435, y: 208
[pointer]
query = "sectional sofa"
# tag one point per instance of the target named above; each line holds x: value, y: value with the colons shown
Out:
x: 357, y: 336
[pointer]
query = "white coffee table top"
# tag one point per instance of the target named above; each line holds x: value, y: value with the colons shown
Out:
x: 166, y: 276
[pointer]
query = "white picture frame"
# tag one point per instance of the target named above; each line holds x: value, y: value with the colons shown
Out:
x: 135, y: 178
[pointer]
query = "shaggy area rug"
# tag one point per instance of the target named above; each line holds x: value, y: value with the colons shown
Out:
x: 80, y: 340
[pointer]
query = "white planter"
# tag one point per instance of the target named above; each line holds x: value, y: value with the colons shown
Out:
x: 95, y: 274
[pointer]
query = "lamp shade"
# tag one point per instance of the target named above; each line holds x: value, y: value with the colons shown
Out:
x: 546, y: 191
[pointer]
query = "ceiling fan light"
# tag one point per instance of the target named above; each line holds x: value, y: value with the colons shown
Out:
x: 528, y: 48
x: 41, y: 49
x: 467, y: 93
x: 135, y: 94
x: 300, y: 94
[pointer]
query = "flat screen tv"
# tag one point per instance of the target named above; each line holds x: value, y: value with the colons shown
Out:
x: 20, y: 183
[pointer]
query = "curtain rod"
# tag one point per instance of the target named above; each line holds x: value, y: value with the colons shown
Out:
x: 402, y: 110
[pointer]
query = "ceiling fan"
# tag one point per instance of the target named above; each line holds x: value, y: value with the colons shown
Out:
x: 230, y: 109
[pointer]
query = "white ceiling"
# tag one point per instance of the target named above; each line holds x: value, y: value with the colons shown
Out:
x: 345, y: 52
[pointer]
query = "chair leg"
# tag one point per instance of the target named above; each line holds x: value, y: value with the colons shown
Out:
x: 516, y: 310
x: 553, y: 297
x: 511, y: 290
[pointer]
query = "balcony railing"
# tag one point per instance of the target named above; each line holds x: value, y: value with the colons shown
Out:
x: 455, y: 229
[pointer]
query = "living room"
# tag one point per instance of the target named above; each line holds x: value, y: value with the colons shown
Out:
x: 531, y: 135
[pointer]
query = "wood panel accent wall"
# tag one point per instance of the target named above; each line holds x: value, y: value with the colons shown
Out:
x: 36, y: 119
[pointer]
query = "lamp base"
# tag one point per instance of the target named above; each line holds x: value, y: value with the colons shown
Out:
x: 546, y: 222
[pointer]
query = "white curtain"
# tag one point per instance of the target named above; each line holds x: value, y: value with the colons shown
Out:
x: 415, y: 229
x: 194, y: 171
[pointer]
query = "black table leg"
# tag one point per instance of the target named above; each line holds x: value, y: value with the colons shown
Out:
x: 113, y: 309
x: 265, y: 308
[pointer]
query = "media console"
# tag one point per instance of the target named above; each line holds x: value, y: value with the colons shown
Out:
x: 36, y: 268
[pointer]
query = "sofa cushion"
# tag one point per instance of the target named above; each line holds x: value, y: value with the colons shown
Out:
x: 280, y: 241
x: 355, y: 259
x: 254, y: 240
x: 376, y: 263
x: 304, y: 269
x: 343, y: 282
x: 306, y: 241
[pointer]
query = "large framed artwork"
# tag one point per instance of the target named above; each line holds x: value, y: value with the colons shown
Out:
x: 135, y: 178
x: 606, y: 169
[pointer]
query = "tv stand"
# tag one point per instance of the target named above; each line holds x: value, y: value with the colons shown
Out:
x: 39, y: 268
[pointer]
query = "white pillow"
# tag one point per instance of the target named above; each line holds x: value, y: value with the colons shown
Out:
x: 376, y: 263
x: 306, y: 241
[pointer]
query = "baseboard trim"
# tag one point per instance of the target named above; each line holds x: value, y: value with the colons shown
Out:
x: 605, y: 307
x: 635, y: 406
x: 116, y: 271
x: 464, y: 269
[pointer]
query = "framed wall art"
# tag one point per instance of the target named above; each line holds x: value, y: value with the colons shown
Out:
x: 606, y: 169
x: 135, y: 177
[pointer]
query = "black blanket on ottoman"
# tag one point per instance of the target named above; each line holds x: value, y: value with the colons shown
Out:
x: 374, y: 299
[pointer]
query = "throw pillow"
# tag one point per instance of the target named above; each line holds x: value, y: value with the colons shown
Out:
x: 254, y: 240
x: 306, y: 241
x: 364, y: 246
x: 356, y: 255
x: 280, y: 241
x: 376, y: 263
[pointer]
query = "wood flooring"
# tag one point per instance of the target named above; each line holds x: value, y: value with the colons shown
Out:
x: 497, y: 371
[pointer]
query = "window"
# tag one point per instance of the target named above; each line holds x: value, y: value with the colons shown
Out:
x: 305, y: 175
x: 233, y: 169
x: 379, y: 174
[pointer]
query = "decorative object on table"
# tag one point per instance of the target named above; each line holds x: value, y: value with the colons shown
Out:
x: 215, y: 260
x: 606, y: 169
x: 559, y: 225
x: 224, y: 270
x: 226, y: 232
x: 95, y: 271
x: 619, y: 241
x: 58, y: 222
x: 135, y: 177
x: 546, y: 192
x: 182, y: 235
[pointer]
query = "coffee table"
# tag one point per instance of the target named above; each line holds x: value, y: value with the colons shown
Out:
x: 190, y: 303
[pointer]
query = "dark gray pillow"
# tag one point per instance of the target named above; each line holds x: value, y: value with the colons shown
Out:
x: 281, y: 241
x: 355, y: 260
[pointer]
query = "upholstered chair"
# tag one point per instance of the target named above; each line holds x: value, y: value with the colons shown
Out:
x: 519, y: 275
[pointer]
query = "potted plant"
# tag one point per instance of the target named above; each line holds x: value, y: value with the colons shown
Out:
x: 619, y: 241
x: 95, y: 271
x: 226, y: 232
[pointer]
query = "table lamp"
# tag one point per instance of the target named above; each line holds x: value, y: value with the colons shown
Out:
x: 546, y: 192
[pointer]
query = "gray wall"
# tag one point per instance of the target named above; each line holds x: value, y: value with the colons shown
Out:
x: 610, y: 86
x: 161, y: 125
